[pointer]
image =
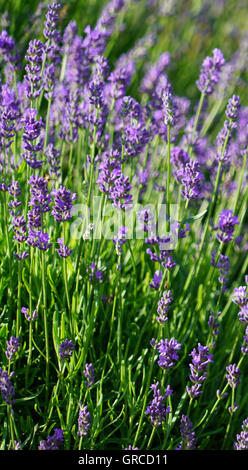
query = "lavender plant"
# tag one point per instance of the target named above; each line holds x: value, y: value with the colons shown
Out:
x: 123, y: 229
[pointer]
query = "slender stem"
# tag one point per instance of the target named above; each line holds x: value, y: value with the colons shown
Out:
x: 151, y: 437
x: 18, y: 310
x: 198, y: 112
x: 47, y: 123
x: 30, y: 305
x: 230, y: 419
x: 10, y: 420
x: 65, y: 275
x: 134, y: 270
x: 92, y: 164
x: 43, y: 277
x: 168, y: 181
x: 240, y: 183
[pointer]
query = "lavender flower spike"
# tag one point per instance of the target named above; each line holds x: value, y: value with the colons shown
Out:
x: 241, y: 442
x: 198, y: 369
x: 53, y: 442
x: 12, y: 347
x: 226, y: 225
x: 66, y: 349
x: 188, y: 435
x: 233, y: 375
x: 83, y: 420
x: 157, y: 409
x: 210, y: 72
x: 6, y: 387
x: 163, y: 306
x: 89, y: 373
x: 167, y: 352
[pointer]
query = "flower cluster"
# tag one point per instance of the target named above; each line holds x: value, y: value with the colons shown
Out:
x: 210, y: 72
x: 233, y: 375
x: 157, y: 409
x: 241, y: 442
x: 53, y: 442
x: 83, y: 420
x: 163, y: 306
x: 89, y: 373
x: 198, y: 369
x: 6, y: 387
x: 226, y: 225
x: 167, y: 352
x: 12, y: 347
x: 66, y: 349
x: 187, y: 434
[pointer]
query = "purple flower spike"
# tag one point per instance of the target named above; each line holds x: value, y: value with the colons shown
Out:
x: 63, y: 250
x: 210, y: 72
x: 29, y: 317
x: 12, y: 347
x: 233, y: 107
x: 226, y: 225
x: 188, y: 435
x: 66, y: 349
x: 156, y: 281
x: 53, y: 442
x: 89, y: 373
x: 157, y: 409
x: 51, y: 20
x: 240, y: 296
x: 163, y: 306
x: 119, y: 240
x: 241, y: 442
x: 63, y: 204
x: 198, y: 369
x: 33, y: 68
x: 6, y: 387
x: 83, y: 420
x: 233, y: 375
x: 167, y: 352
x: 190, y: 178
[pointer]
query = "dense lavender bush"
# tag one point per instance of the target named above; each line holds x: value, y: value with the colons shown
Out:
x: 123, y: 249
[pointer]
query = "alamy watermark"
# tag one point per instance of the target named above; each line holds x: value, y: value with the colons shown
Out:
x: 140, y: 222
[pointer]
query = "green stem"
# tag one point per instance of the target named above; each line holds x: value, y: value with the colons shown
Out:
x: 151, y: 437
x: 198, y: 112
x: 230, y: 419
x: 168, y: 181
x: 43, y: 277
x: 47, y: 124
x: 65, y: 275
x: 240, y: 183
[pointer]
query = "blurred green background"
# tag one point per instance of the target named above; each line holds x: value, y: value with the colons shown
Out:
x: 188, y: 29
